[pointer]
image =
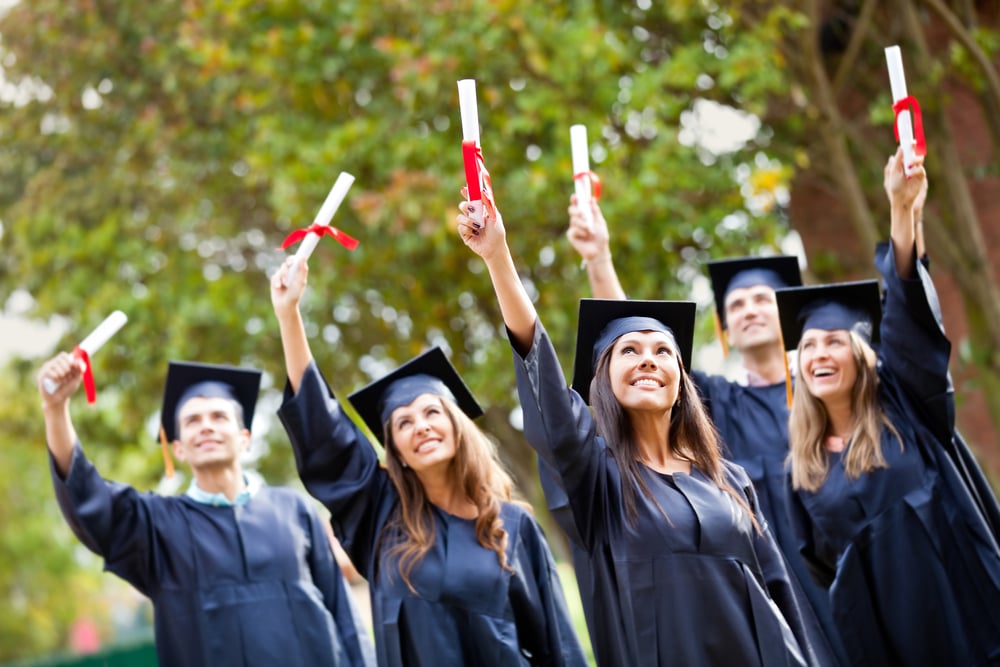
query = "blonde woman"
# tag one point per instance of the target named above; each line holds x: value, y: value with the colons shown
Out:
x: 459, y: 573
x: 881, y: 506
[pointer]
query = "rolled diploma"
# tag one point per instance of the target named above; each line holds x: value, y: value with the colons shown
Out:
x: 904, y: 124
x: 581, y: 165
x: 467, y: 106
x: 325, y: 215
x: 97, y: 338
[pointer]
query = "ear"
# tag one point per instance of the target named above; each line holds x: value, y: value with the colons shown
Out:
x: 179, y: 452
x: 245, y: 439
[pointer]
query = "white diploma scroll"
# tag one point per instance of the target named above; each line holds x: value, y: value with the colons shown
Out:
x: 581, y: 170
x: 325, y: 215
x: 467, y: 105
x: 470, y: 142
x: 92, y: 343
x: 904, y: 123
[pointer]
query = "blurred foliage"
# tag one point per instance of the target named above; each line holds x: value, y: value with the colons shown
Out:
x: 155, y: 154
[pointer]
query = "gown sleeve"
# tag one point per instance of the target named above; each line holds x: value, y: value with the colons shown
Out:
x: 560, y: 428
x: 545, y: 628
x: 774, y: 569
x: 110, y: 519
x: 914, y: 350
x: 329, y: 579
x: 337, y: 465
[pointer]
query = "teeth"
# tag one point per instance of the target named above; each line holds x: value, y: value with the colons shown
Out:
x: 822, y: 372
x: 646, y: 383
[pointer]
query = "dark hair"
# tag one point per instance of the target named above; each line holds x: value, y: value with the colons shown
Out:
x: 692, y: 435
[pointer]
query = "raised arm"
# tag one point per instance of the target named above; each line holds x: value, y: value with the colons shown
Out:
x: 489, y: 240
x: 593, y: 243
x: 285, y: 299
x: 904, y: 193
x: 67, y: 371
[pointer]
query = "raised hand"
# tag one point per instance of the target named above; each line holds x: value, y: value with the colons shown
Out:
x: 285, y: 298
x: 486, y: 239
x: 590, y: 239
x: 64, y: 370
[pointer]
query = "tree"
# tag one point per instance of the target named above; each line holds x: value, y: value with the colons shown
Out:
x: 154, y: 155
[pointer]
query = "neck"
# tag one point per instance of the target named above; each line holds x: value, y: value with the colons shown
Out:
x: 443, y: 492
x: 228, y: 481
x: 652, y: 435
x: 767, y: 361
x: 840, y: 418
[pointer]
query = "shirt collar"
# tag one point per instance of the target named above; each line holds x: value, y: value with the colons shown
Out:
x: 197, y: 494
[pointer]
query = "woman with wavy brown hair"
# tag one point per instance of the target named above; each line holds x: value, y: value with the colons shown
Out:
x: 459, y: 572
x: 884, y: 499
x: 675, y: 563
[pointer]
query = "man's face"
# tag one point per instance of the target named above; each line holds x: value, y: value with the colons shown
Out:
x: 209, y: 433
x: 752, y: 318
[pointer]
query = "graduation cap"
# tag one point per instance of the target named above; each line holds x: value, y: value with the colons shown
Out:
x: 428, y: 373
x: 602, y: 321
x: 855, y: 306
x: 186, y: 380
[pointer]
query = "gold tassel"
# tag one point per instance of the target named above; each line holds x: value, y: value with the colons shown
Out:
x: 720, y: 334
x: 168, y: 462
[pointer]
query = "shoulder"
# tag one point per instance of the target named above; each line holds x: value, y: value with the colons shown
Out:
x: 735, y: 474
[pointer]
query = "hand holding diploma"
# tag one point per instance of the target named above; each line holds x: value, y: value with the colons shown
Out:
x: 909, y: 133
x: 82, y: 353
x: 477, y: 178
x: 311, y: 235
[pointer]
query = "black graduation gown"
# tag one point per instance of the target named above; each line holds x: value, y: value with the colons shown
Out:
x: 255, y: 584
x: 753, y: 424
x: 703, y: 589
x: 912, y: 565
x: 467, y: 611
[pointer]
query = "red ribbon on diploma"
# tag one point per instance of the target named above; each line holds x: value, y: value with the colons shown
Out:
x: 910, y: 102
x: 477, y: 177
x: 88, y: 374
x: 320, y: 230
x: 595, y: 183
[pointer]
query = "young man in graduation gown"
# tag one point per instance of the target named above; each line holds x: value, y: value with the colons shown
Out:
x: 750, y: 413
x: 238, y: 573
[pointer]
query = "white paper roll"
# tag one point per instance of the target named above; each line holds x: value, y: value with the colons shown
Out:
x: 469, y: 110
x: 325, y: 215
x: 581, y: 165
x: 904, y: 124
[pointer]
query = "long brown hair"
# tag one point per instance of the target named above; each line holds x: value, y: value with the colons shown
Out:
x: 691, y: 434
x: 483, y: 479
x: 809, y: 425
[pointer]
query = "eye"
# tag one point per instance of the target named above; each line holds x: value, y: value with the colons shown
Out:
x: 403, y: 423
x: 628, y: 349
x: 808, y: 345
x: 665, y: 349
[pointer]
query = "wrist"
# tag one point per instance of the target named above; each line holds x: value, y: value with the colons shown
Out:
x: 599, y: 258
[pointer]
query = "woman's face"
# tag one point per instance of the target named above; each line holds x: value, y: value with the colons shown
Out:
x: 423, y: 433
x: 644, y: 370
x: 827, y: 364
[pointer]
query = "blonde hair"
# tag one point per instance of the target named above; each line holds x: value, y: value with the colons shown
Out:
x: 809, y: 425
x: 483, y: 479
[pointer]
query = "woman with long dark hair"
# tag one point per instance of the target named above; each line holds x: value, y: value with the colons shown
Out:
x: 886, y: 502
x: 459, y: 572
x: 674, y: 561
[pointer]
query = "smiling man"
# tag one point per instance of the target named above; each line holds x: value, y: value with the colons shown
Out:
x: 239, y: 573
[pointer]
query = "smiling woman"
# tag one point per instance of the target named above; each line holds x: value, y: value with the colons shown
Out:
x: 675, y: 563
x: 459, y: 571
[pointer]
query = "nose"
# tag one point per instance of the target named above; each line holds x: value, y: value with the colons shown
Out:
x: 648, y: 361
x: 421, y: 426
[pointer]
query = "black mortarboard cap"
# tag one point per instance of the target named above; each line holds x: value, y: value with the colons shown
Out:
x: 602, y: 321
x: 855, y: 306
x: 729, y: 274
x: 187, y: 380
x: 428, y: 373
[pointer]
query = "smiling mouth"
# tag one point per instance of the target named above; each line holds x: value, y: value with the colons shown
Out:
x: 647, y: 382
